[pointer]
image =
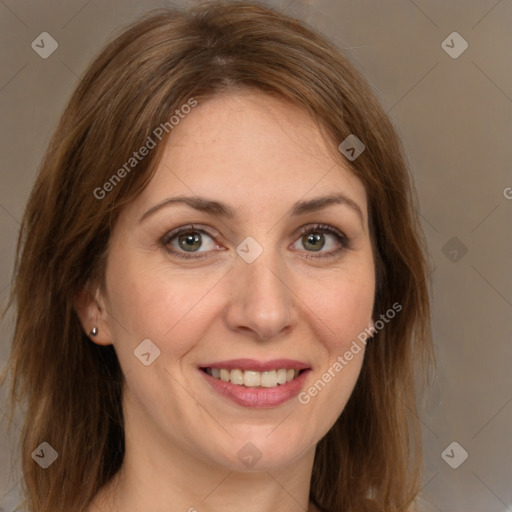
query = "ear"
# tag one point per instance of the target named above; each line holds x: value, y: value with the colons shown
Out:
x: 90, y: 308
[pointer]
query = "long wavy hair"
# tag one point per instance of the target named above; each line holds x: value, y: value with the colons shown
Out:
x: 371, y: 459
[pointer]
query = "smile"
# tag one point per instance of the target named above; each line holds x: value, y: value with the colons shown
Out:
x: 254, y: 379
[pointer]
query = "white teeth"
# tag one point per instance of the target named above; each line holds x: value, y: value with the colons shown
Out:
x: 281, y: 376
x: 269, y: 379
x: 237, y: 377
x: 253, y: 379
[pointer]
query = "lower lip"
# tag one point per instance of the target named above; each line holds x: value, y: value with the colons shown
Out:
x: 258, y: 397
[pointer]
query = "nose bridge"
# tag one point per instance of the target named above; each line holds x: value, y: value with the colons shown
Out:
x: 262, y: 299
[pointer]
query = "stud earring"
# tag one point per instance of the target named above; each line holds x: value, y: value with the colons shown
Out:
x: 94, y: 331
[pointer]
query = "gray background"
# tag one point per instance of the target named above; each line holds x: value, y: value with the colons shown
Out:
x: 454, y: 116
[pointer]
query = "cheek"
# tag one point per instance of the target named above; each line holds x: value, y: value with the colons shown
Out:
x: 156, y: 304
x: 343, y: 311
x: 345, y: 305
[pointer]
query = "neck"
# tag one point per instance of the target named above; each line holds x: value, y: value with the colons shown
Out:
x: 138, y: 488
x: 160, y: 475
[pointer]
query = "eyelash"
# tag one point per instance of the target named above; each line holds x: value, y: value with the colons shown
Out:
x: 345, y: 242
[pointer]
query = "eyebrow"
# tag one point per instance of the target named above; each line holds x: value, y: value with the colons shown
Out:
x: 219, y: 209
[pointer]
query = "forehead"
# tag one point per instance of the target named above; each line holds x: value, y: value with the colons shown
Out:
x: 250, y: 148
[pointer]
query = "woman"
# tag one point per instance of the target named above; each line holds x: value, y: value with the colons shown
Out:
x: 221, y: 280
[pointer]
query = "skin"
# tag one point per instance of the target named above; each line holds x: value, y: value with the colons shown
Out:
x: 259, y: 155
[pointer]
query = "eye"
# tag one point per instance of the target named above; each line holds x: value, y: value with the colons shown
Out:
x: 313, y: 239
x: 185, y: 242
x: 188, y: 239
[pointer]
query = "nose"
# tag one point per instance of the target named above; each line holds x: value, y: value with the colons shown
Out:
x: 262, y: 302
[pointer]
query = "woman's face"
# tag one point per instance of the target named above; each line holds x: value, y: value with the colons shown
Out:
x: 240, y: 293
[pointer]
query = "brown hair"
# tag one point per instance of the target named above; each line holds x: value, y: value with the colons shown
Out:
x: 371, y: 459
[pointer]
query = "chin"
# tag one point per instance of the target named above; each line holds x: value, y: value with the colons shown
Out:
x: 261, y: 450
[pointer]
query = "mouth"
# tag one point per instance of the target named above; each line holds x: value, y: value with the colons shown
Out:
x: 255, y: 379
x: 253, y: 383
x: 256, y: 384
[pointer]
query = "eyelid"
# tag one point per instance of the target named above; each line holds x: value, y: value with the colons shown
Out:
x: 318, y: 226
x: 191, y: 227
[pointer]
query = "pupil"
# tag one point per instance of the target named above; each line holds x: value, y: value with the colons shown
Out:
x: 315, y: 241
x: 188, y: 241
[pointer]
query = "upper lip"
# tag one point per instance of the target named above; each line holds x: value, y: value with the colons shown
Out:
x: 258, y: 366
